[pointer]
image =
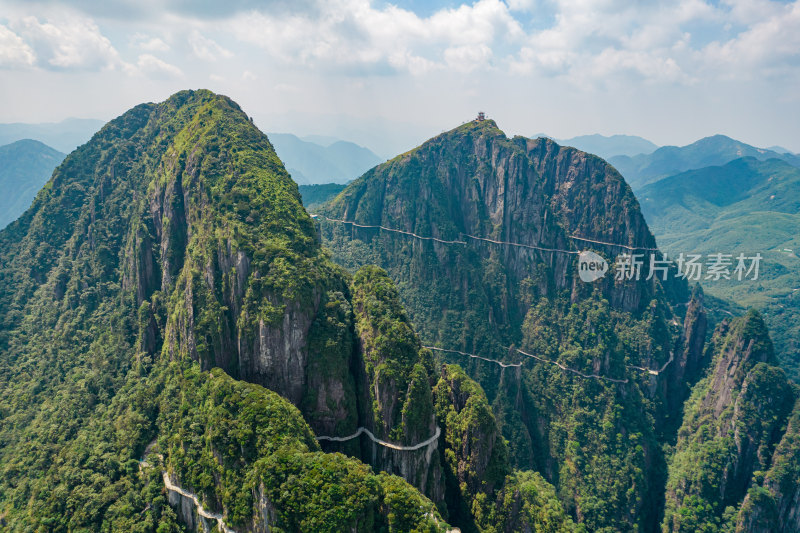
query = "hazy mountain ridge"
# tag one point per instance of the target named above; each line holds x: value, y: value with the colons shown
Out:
x: 64, y: 136
x: 25, y: 166
x: 312, y: 163
x: 607, y: 146
x: 315, y: 195
x: 643, y: 169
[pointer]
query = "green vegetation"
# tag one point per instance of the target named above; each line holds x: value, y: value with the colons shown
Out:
x: 597, y: 442
x: 396, y: 367
x: 726, y: 444
x: 746, y: 206
x: 167, y: 245
x: 166, y: 304
x: 476, y: 456
x: 315, y: 195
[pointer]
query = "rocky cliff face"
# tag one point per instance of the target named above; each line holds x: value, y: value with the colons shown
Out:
x: 174, y: 242
x: 542, y: 203
x: 732, y: 424
x: 475, y: 181
x: 395, y: 376
x: 774, y: 504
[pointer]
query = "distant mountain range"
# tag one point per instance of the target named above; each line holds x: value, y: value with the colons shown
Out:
x: 780, y: 149
x: 64, y: 136
x: 324, y: 160
x: 25, y: 166
x: 745, y: 206
x: 609, y: 146
x: 643, y: 169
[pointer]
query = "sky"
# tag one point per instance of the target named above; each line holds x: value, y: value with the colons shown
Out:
x: 389, y: 75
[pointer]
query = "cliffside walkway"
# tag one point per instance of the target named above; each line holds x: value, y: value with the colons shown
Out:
x: 201, y: 511
x: 388, y: 229
x: 384, y: 443
x: 631, y: 248
x: 530, y: 246
x: 485, y: 239
x: 559, y: 365
x: 568, y: 369
x: 502, y: 364
x: 654, y: 372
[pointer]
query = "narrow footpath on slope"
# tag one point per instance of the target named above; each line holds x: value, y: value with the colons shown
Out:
x: 201, y: 511
x: 384, y: 443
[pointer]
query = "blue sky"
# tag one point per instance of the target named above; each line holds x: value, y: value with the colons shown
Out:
x: 389, y: 75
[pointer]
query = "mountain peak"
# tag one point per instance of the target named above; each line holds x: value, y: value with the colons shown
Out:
x: 484, y: 127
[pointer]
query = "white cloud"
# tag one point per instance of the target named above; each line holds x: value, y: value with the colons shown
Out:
x: 771, y: 46
x: 521, y: 5
x: 149, y: 43
x: 355, y: 34
x: 13, y: 50
x: 205, y: 48
x: 71, y: 43
x: 592, y: 42
x: 747, y: 11
x: 467, y: 58
x: 154, y: 67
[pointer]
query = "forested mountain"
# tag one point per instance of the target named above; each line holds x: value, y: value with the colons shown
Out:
x: 314, y: 195
x: 643, y: 169
x: 179, y: 352
x: 174, y: 242
x: 746, y: 206
x: 25, y: 166
x: 588, y: 382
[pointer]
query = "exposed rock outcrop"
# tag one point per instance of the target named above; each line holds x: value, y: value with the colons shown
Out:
x: 732, y: 424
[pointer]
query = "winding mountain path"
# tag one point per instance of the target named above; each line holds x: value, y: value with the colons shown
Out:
x: 531, y: 246
x: 388, y: 229
x: 495, y: 361
x: 567, y: 369
x: 654, y: 372
x: 632, y: 248
x: 485, y: 239
x: 384, y: 443
x: 200, y: 509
